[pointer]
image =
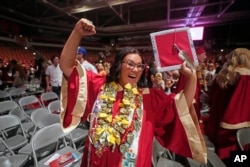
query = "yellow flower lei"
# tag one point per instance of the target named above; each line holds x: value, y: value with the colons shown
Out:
x: 110, y: 130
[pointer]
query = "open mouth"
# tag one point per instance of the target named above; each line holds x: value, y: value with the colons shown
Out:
x: 132, y: 78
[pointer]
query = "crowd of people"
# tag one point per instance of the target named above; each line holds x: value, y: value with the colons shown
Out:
x: 47, y: 72
x: 129, y: 102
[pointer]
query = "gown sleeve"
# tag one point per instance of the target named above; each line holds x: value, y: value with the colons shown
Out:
x: 176, y: 126
x: 180, y: 86
x: 78, y: 94
x: 237, y: 112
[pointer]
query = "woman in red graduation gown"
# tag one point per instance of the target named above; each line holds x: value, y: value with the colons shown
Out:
x: 229, y: 103
x: 124, y: 115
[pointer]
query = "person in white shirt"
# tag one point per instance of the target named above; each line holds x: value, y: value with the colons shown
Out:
x: 81, y: 53
x: 54, y: 76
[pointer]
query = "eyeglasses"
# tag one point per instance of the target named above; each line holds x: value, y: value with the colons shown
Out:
x: 131, y: 65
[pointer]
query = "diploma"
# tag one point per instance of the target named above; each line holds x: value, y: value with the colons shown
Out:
x: 172, y: 47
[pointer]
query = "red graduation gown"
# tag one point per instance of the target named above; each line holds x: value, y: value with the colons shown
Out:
x: 229, y: 111
x: 177, y: 130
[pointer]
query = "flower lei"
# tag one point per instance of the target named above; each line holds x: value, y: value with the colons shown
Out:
x: 117, y: 130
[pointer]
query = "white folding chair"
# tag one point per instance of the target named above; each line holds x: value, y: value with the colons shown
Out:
x: 25, y: 119
x: 12, y: 132
x: 29, y: 103
x: 41, y: 118
x: 243, y: 137
x: 17, y: 93
x: 46, y: 143
x: 158, y: 151
x: 164, y: 162
x: 12, y: 160
x: 78, y: 135
x: 47, y: 97
x: 54, y: 107
x: 208, y: 143
x: 6, y: 106
x: 20, y: 114
x: 4, y: 95
x: 214, y: 160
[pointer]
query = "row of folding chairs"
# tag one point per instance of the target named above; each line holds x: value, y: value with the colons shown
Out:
x: 47, y: 142
x: 162, y: 157
x: 25, y: 108
x: 16, y: 93
x: 30, y: 102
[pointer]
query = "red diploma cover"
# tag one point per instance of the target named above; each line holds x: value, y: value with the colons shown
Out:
x: 64, y: 160
x: 167, y: 46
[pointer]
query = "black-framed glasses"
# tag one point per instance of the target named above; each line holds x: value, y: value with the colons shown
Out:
x: 131, y: 65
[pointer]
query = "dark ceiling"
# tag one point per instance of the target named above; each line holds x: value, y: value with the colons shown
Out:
x: 126, y: 22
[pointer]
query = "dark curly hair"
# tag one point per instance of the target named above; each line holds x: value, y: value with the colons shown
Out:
x: 116, y: 66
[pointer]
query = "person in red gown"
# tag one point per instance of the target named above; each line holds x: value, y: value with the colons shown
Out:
x: 229, y: 103
x: 201, y: 55
x: 124, y: 115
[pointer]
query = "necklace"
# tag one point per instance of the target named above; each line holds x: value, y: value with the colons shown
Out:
x: 111, y: 131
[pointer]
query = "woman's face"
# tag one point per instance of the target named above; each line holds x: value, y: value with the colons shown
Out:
x: 131, y: 69
x: 202, y: 57
x: 56, y: 61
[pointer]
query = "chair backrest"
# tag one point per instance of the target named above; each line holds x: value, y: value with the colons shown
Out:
x: 28, y: 103
x: 159, y: 151
x: 20, y: 114
x: 54, y: 106
x: 163, y: 162
x: 214, y: 159
x: 6, y: 146
x: 44, y: 138
x: 47, y: 97
x: 243, y: 137
x: 16, y: 93
x: 42, y: 118
x: 8, y: 121
x: 8, y: 124
x: 4, y: 95
x: 12, y: 159
x: 7, y: 105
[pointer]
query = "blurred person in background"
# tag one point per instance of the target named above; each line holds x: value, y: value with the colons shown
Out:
x: 229, y: 103
x: 81, y: 54
x: 1, y: 74
x: 8, y: 75
x: 42, y: 78
x: 20, y: 77
x: 54, y: 76
x: 100, y: 69
x: 159, y: 82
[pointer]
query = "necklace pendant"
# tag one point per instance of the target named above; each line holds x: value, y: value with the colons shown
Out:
x: 139, y: 112
x: 101, y: 122
x: 137, y: 125
x: 120, y: 129
x: 124, y: 111
x: 130, y: 138
x: 123, y: 149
